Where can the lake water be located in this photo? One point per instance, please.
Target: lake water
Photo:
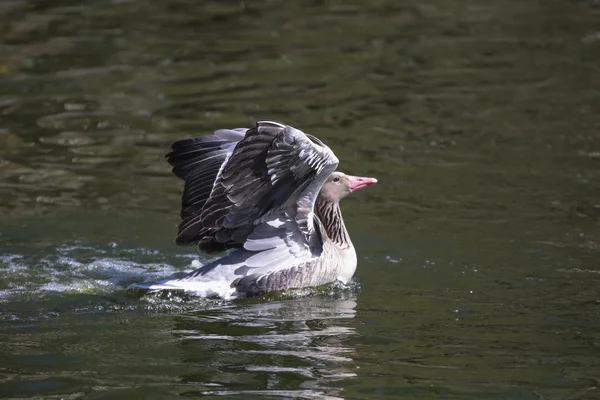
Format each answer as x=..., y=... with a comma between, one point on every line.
x=479, y=248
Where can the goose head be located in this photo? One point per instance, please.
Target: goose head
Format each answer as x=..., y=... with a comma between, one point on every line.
x=339, y=185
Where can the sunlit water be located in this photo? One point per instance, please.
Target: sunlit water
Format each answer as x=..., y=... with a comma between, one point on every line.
x=478, y=249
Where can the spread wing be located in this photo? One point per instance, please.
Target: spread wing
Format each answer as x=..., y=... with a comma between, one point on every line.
x=273, y=173
x=200, y=162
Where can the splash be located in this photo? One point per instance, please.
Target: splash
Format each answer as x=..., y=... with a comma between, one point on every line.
x=90, y=278
x=78, y=269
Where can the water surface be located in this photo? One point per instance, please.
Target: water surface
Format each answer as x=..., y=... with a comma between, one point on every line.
x=478, y=250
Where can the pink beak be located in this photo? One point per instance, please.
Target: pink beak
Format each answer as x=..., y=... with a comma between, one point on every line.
x=359, y=182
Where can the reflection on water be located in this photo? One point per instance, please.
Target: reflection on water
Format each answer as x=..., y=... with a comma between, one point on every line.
x=478, y=250
x=293, y=349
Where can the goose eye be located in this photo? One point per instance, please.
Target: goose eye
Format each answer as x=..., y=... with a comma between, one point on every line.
x=336, y=179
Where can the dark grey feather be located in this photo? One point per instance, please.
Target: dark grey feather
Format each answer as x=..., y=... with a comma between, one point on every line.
x=229, y=189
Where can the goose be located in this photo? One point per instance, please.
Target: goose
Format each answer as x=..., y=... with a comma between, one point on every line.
x=270, y=195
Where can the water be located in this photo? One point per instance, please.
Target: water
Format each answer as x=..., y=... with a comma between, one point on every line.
x=478, y=249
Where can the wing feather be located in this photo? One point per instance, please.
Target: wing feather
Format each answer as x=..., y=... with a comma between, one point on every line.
x=239, y=182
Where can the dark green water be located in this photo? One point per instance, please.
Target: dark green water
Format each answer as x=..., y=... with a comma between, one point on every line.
x=479, y=250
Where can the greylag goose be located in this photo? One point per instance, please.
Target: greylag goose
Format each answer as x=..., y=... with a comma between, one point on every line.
x=272, y=195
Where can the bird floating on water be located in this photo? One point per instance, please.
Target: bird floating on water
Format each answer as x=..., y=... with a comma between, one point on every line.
x=270, y=193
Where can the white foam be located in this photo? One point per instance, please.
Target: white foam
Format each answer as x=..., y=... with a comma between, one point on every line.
x=79, y=269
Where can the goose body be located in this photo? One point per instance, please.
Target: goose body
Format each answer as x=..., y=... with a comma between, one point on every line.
x=270, y=196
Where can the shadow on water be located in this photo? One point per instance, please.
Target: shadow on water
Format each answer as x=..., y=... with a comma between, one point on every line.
x=478, y=249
